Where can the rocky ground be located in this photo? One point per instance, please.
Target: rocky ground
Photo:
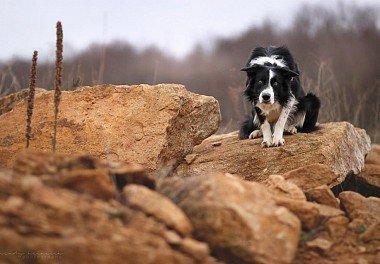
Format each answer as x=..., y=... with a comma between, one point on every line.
x=148, y=190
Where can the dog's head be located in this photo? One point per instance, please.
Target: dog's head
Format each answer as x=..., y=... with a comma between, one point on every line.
x=267, y=84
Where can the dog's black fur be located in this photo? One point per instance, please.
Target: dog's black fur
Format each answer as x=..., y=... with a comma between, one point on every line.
x=274, y=70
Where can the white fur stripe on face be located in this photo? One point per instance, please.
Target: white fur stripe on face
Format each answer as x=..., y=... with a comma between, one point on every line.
x=268, y=90
x=272, y=60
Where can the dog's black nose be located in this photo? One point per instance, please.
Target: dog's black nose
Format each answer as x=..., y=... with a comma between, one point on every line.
x=266, y=97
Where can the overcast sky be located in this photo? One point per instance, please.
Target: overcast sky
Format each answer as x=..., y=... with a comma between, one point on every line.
x=173, y=25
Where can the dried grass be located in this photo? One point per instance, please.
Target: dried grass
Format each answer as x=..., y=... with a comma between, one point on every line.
x=58, y=80
x=30, y=106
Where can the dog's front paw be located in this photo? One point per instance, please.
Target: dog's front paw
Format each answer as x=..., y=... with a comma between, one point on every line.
x=278, y=142
x=255, y=134
x=292, y=130
x=266, y=144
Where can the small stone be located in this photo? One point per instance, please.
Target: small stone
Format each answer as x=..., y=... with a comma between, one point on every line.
x=217, y=143
x=280, y=187
x=194, y=248
x=322, y=195
x=190, y=158
x=320, y=243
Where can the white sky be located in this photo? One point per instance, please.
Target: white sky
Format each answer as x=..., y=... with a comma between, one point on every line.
x=173, y=25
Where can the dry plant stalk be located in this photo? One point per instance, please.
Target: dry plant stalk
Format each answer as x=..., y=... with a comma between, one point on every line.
x=58, y=80
x=32, y=89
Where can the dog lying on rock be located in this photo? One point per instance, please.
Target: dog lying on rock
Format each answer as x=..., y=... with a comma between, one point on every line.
x=279, y=103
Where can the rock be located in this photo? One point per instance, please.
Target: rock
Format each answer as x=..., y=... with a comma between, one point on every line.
x=280, y=187
x=323, y=195
x=311, y=176
x=372, y=233
x=82, y=173
x=339, y=146
x=194, y=248
x=371, y=174
x=148, y=125
x=239, y=220
x=95, y=182
x=374, y=156
x=130, y=174
x=72, y=227
x=337, y=227
x=321, y=244
x=158, y=206
x=335, y=239
x=310, y=214
x=359, y=207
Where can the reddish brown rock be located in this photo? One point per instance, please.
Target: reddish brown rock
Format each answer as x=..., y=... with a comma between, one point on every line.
x=359, y=207
x=374, y=156
x=148, y=125
x=130, y=173
x=323, y=195
x=82, y=173
x=158, y=206
x=280, y=187
x=371, y=174
x=311, y=176
x=339, y=146
x=372, y=233
x=320, y=243
x=239, y=220
x=37, y=216
x=310, y=214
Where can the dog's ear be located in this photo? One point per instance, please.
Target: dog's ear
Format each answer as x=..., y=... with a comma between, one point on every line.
x=288, y=73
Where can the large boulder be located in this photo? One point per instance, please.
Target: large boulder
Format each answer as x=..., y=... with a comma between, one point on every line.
x=148, y=125
x=70, y=226
x=238, y=219
x=338, y=146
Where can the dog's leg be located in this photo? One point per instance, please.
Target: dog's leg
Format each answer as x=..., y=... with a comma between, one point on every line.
x=310, y=104
x=249, y=127
x=291, y=130
x=256, y=134
x=265, y=128
x=267, y=134
x=278, y=133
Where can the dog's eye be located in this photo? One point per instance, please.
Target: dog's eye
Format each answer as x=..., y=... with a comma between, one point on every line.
x=260, y=82
x=275, y=84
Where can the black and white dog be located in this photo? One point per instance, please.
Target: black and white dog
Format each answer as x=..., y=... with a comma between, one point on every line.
x=279, y=103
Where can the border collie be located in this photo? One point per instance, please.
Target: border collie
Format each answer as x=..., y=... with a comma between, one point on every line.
x=279, y=103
